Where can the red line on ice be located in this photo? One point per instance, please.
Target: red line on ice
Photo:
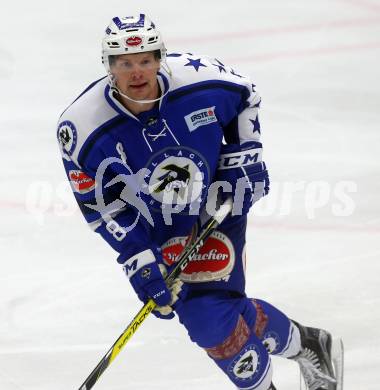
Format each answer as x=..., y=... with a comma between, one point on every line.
x=363, y=4
x=222, y=36
x=255, y=222
x=304, y=52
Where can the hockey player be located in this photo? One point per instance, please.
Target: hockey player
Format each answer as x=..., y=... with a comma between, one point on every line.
x=144, y=149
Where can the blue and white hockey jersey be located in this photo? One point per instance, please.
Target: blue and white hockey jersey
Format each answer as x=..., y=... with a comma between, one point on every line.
x=162, y=161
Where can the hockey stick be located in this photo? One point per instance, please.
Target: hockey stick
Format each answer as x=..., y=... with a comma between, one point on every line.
x=185, y=257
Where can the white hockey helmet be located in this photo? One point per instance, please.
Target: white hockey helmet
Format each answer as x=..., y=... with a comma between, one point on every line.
x=131, y=35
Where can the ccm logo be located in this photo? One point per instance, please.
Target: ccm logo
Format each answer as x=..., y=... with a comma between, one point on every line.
x=131, y=267
x=239, y=159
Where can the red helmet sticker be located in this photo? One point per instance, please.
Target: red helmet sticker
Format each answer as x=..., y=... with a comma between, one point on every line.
x=81, y=182
x=133, y=41
x=214, y=261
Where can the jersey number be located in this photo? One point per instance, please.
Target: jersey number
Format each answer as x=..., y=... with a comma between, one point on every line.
x=116, y=230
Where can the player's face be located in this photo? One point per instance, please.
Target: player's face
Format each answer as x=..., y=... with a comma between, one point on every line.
x=136, y=75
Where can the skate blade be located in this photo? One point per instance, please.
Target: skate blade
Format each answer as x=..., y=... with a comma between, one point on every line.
x=337, y=355
x=302, y=383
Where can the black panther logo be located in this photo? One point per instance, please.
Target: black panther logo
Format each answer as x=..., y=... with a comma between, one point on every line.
x=246, y=365
x=64, y=136
x=177, y=177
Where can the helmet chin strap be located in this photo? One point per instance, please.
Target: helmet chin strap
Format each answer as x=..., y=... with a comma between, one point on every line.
x=147, y=101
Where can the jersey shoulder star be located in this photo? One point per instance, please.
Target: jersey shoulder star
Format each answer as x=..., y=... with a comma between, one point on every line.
x=195, y=63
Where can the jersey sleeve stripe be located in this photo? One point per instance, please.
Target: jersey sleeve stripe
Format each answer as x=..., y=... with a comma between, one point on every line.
x=207, y=85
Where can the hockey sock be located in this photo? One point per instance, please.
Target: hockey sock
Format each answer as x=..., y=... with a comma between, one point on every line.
x=248, y=366
x=281, y=336
x=225, y=327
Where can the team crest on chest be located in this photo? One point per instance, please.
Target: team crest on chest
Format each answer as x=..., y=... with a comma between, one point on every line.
x=178, y=176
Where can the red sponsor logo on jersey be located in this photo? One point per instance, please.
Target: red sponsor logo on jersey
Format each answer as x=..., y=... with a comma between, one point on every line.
x=214, y=261
x=210, y=112
x=81, y=182
x=133, y=41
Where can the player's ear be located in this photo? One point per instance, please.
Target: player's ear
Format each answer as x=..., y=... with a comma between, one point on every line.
x=157, y=58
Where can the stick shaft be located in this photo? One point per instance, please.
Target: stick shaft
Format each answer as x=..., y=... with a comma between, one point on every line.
x=183, y=260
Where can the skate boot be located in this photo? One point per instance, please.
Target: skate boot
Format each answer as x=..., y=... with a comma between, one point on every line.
x=315, y=359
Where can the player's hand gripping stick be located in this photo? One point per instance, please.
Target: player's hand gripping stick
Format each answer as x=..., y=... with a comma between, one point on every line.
x=185, y=257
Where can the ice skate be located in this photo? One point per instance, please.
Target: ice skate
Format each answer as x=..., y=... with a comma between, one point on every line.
x=320, y=362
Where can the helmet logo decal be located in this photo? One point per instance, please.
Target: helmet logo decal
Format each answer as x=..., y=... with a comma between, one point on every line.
x=133, y=41
x=129, y=22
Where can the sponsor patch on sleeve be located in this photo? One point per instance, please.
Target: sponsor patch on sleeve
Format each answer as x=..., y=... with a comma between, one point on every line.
x=81, y=182
x=201, y=117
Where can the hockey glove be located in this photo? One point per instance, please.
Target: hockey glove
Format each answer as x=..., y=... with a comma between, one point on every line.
x=144, y=273
x=146, y=279
x=178, y=292
x=240, y=166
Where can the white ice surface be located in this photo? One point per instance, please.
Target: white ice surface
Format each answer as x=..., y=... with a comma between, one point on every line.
x=64, y=300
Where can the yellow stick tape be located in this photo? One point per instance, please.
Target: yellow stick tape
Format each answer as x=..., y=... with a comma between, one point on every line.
x=132, y=328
